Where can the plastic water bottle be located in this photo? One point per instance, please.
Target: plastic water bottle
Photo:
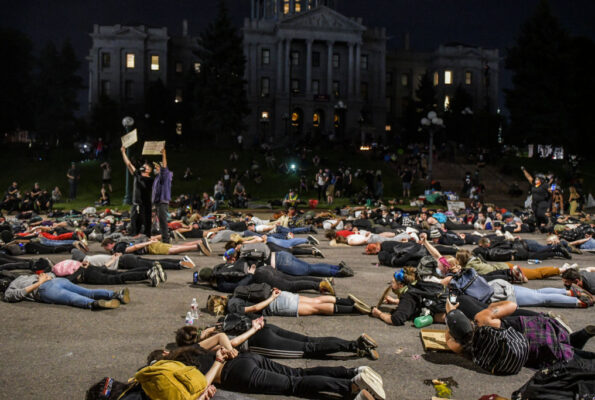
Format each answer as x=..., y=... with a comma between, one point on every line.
x=534, y=261
x=424, y=319
x=189, y=319
x=194, y=309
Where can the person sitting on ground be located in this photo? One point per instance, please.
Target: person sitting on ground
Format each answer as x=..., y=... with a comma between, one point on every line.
x=104, y=199
x=46, y=288
x=502, y=344
x=239, y=195
x=291, y=199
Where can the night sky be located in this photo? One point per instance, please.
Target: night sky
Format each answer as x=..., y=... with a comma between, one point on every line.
x=485, y=23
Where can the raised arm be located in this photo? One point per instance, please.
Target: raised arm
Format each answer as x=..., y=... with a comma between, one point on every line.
x=127, y=162
x=163, y=158
x=527, y=175
x=431, y=249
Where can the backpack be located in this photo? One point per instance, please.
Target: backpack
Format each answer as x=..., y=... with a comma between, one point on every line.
x=470, y=283
x=431, y=295
x=235, y=324
x=572, y=380
x=171, y=380
x=252, y=255
x=254, y=292
x=500, y=351
x=426, y=267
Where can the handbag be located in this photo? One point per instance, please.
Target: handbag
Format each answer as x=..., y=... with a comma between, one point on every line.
x=470, y=283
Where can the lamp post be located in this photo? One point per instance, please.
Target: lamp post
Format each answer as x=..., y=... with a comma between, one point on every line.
x=127, y=123
x=432, y=123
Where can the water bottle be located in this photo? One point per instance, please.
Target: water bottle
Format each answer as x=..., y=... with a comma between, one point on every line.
x=189, y=319
x=195, y=278
x=194, y=309
x=424, y=319
x=534, y=261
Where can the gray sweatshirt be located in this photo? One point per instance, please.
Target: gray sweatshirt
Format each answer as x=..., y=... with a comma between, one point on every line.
x=16, y=289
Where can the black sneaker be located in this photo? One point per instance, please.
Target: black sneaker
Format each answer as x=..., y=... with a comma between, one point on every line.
x=369, y=352
x=365, y=340
x=561, y=251
x=317, y=253
x=123, y=296
x=344, y=272
x=313, y=240
x=105, y=304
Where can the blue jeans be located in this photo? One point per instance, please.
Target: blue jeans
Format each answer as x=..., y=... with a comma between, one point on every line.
x=588, y=245
x=552, y=297
x=287, y=243
x=283, y=230
x=62, y=291
x=535, y=246
x=286, y=262
x=55, y=243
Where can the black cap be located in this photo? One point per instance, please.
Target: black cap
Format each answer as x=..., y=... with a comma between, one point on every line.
x=459, y=326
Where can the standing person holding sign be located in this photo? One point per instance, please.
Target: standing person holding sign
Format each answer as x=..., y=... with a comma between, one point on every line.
x=140, y=212
x=162, y=194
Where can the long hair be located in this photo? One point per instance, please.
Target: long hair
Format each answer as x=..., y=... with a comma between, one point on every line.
x=410, y=275
x=188, y=335
x=217, y=304
x=463, y=257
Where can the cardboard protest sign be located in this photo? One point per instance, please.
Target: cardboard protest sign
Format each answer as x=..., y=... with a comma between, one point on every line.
x=129, y=139
x=153, y=148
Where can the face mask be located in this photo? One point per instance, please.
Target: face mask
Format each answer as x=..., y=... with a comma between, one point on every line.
x=438, y=272
x=401, y=291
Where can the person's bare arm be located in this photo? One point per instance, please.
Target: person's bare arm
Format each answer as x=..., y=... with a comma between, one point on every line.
x=127, y=162
x=133, y=248
x=580, y=241
x=431, y=249
x=163, y=158
x=528, y=175
x=492, y=315
x=263, y=304
x=386, y=317
x=257, y=324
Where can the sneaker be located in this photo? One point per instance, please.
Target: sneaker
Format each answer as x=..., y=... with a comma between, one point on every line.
x=187, y=262
x=518, y=275
x=81, y=246
x=373, y=374
x=366, y=341
x=210, y=235
x=369, y=352
x=582, y=295
x=508, y=236
x=161, y=273
x=344, y=272
x=201, y=247
x=364, y=381
x=363, y=395
x=360, y=305
x=326, y=287
x=590, y=329
x=313, y=240
x=317, y=253
x=207, y=245
x=153, y=275
x=560, y=251
x=105, y=304
x=123, y=296
x=575, y=250
x=560, y=320
x=313, y=230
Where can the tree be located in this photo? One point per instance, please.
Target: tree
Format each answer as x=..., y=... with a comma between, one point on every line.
x=15, y=80
x=538, y=101
x=221, y=97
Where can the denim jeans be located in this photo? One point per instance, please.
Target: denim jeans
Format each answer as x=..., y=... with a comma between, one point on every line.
x=62, y=291
x=535, y=246
x=588, y=245
x=287, y=243
x=286, y=262
x=56, y=243
x=285, y=231
x=552, y=297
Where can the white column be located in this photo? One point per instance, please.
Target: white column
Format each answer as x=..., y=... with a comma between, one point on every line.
x=329, y=67
x=287, y=77
x=279, y=80
x=350, y=68
x=308, y=66
x=358, y=60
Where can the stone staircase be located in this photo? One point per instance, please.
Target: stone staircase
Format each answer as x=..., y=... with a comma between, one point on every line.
x=451, y=177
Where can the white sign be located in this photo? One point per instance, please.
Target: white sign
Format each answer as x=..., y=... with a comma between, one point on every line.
x=455, y=206
x=129, y=139
x=153, y=148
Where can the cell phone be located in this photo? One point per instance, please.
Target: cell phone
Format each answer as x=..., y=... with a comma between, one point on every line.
x=452, y=296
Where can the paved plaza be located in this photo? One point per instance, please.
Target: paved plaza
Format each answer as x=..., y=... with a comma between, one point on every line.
x=57, y=352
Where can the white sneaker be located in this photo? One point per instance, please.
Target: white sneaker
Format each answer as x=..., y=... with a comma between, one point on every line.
x=499, y=233
x=364, y=380
x=370, y=371
x=508, y=235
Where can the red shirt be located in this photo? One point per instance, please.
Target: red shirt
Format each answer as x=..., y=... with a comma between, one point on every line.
x=344, y=233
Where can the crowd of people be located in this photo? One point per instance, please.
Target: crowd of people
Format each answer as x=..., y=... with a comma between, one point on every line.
x=478, y=292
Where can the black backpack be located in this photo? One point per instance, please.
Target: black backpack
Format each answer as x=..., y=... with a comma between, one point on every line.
x=254, y=292
x=565, y=380
x=235, y=324
x=252, y=255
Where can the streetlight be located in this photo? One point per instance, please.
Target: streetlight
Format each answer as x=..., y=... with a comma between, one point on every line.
x=127, y=123
x=432, y=123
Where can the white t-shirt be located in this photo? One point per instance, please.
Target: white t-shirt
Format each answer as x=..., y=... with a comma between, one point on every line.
x=328, y=224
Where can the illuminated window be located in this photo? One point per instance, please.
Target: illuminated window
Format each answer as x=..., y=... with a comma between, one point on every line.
x=130, y=60
x=295, y=85
x=364, y=61
x=298, y=6
x=295, y=117
x=285, y=6
x=265, y=56
x=316, y=119
x=128, y=90
x=264, y=87
x=436, y=79
x=179, y=128
x=388, y=128
x=264, y=116
x=154, y=63
x=446, y=103
x=179, y=68
x=447, y=77
x=468, y=77
x=337, y=120
x=336, y=88
x=316, y=59
x=316, y=87
x=295, y=58
x=197, y=67
x=105, y=60
x=178, y=98
x=336, y=60
x=404, y=80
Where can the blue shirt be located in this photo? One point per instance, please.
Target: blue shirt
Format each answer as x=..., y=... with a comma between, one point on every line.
x=162, y=186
